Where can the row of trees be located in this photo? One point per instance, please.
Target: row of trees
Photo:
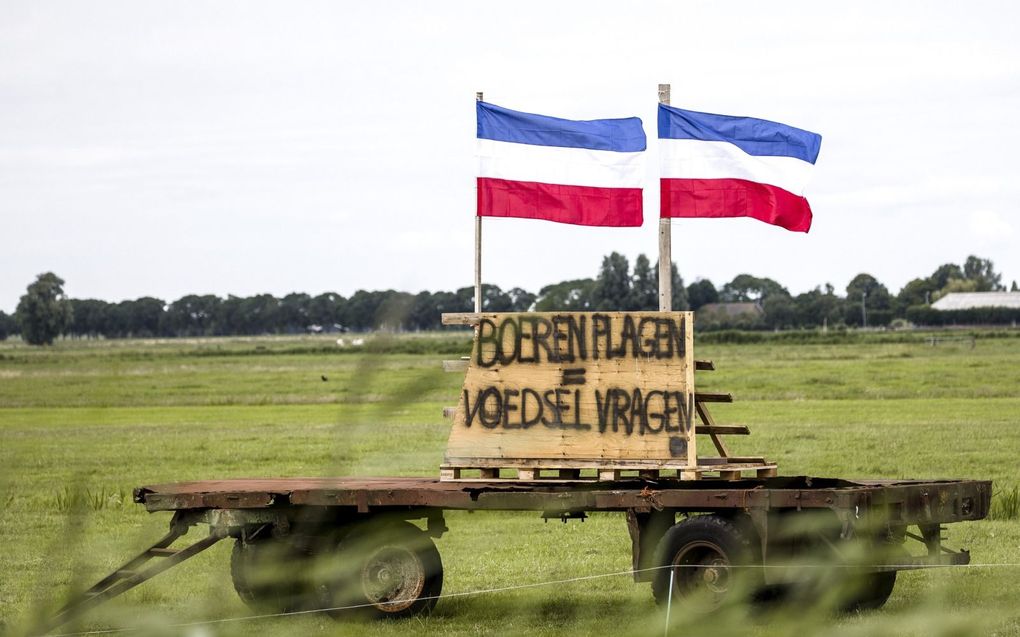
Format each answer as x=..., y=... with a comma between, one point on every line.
x=45, y=313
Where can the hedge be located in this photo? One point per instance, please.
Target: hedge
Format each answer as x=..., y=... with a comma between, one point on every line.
x=924, y=315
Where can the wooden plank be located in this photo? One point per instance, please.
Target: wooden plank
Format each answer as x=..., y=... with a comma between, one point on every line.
x=735, y=430
x=713, y=397
x=707, y=419
x=704, y=366
x=703, y=462
x=665, y=242
x=567, y=385
x=665, y=266
x=461, y=318
x=567, y=463
x=726, y=471
x=455, y=366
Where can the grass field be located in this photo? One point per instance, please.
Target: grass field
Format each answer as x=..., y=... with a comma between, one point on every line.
x=81, y=424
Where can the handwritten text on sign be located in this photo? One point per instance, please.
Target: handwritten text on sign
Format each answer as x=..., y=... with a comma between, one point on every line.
x=584, y=385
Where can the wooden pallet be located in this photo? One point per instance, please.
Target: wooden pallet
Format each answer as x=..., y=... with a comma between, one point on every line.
x=574, y=470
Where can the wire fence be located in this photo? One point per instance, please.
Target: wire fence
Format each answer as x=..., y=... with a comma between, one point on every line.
x=516, y=587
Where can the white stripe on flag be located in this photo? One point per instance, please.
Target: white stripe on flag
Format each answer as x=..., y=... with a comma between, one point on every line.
x=558, y=165
x=697, y=159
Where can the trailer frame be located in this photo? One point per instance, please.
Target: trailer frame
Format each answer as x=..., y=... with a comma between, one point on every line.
x=295, y=507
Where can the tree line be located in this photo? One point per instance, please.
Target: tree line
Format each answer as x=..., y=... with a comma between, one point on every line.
x=45, y=313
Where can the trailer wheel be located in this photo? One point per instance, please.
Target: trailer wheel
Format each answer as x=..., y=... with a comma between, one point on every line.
x=394, y=570
x=269, y=574
x=871, y=590
x=700, y=554
x=874, y=591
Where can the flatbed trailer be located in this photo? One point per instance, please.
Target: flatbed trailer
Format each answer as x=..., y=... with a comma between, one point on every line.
x=378, y=533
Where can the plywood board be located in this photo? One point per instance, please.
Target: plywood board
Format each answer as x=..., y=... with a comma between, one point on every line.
x=593, y=386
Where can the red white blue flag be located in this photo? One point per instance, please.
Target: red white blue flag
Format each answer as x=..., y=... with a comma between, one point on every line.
x=588, y=173
x=724, y=166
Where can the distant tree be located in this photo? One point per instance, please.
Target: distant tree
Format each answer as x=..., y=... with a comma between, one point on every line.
x=521, y=299
x=194, y=315
x=362, y=309
x=982, y=273
x=566, y=296
x=612, y=286
x=494, y=299
x=260, y=314
x=145, y=316
x=746, y=288
x=644, y=288
x=866, y=296
x=452, y=302
x=327, y=309
x=959, y=285
x=89, y=317
x=878, y=296
x=294, y=315
x=44, y=312
x=394, y=312
x=942, y=274
x=423, y=315
x=1014, y=288
x=915, y=292
x=8, y=325
x=780, y=312
x=819, y=307
x=678, y=290
x=230, y=318
x=701, y=292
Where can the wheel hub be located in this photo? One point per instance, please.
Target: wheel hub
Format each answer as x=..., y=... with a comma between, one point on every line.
x=393, y=577
x=702, y=565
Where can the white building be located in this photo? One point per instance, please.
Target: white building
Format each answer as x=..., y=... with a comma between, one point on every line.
x=968, y=300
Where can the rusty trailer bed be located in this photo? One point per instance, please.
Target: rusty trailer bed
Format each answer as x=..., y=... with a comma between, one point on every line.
x=906, y=501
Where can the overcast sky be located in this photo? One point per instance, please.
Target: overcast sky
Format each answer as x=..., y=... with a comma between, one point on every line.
x=213, y=147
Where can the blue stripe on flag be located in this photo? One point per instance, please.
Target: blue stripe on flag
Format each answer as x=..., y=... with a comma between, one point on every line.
x=504, y=125
x=753, y=136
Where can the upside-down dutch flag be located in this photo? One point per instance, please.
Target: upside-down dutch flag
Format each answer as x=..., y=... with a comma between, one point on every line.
x=588, y=173
x=724, y=166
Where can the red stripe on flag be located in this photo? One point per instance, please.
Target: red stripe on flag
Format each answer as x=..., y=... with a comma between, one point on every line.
x=734, y=198
x=579, y=205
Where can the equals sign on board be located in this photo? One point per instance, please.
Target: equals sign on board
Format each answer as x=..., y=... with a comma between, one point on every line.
x=573, y=376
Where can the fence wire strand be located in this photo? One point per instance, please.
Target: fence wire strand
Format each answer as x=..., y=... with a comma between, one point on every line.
x=515, y=587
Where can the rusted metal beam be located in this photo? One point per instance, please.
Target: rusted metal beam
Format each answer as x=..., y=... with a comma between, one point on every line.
x=130, y=575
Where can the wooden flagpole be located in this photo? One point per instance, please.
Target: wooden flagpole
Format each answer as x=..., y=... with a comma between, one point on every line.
x=665, y=241
x=478, y=248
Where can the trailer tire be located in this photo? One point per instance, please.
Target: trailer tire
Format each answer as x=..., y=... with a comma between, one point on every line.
x=394, y=571
x=268, y=575
x=702, y=550
x=875, y=590
x=871, y=590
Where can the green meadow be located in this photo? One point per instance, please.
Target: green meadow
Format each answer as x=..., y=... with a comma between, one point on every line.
x=82, y=423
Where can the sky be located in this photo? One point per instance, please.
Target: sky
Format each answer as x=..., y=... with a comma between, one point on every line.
x=163, y=149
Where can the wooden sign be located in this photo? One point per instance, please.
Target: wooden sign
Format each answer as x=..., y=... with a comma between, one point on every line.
x=578, y=390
